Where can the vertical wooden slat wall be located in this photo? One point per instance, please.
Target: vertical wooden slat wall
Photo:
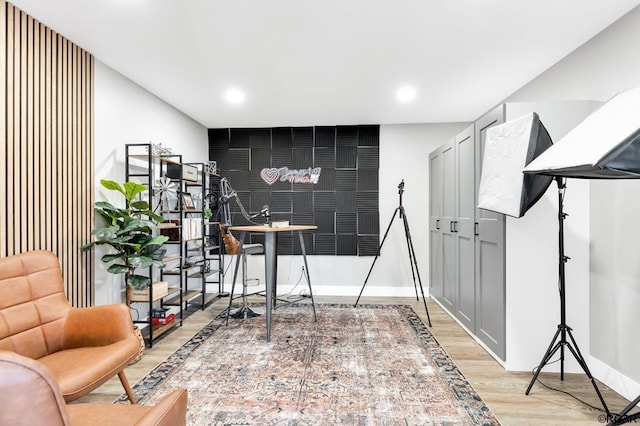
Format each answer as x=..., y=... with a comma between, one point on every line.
x=46, y=148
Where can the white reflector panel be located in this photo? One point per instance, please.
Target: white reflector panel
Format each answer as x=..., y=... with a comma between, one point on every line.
x=509, y=147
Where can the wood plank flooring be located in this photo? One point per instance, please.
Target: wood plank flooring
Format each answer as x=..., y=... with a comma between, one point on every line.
x=503, y=391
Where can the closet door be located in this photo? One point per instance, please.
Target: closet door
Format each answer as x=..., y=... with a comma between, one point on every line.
x=435, y=224
x=449, y=246
x=490, y=255
x=465, y=227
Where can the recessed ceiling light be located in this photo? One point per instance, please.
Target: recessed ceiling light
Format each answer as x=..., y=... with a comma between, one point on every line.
x=234, y=96
x=406, y=94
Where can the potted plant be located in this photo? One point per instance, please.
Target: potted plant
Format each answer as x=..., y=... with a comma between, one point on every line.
x=129, y=232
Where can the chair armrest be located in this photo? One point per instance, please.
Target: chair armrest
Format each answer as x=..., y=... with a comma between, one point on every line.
x=97, y=326
x=169, y=411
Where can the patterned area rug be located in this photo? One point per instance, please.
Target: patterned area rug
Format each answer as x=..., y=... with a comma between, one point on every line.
x=369, y=365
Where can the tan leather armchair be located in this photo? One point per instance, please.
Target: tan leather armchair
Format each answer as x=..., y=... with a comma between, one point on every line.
x=31, y=396
x=83, y=347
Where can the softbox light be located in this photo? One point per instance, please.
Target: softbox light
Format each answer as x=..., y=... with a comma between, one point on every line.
x=509, y=147
x=606, y=145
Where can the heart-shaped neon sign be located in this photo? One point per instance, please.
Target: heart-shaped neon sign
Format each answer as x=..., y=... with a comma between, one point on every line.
x=270, y=176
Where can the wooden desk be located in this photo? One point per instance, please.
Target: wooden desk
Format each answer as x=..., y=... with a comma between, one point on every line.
x=271, y=262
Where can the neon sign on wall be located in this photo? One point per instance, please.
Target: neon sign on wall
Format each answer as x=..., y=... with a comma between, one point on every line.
x=285, y=174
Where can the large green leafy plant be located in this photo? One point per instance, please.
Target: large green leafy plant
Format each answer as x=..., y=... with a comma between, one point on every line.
x=129, y=231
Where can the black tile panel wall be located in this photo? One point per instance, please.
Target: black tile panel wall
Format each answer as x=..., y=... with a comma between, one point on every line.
x=325, y=136
x=324, y=157
x=327, y=180
x=260, y=158
x=347, y=136
x=282, y=138
x=346, y=180
x=347, y=223
x=285, y=243
x=344, y=201
x=302, y=158
x=368, y=158
x=367, y=180
x=221, y=157
x=369, y=135
x=240, y=138
x=239, y=159
x=298, y=218
x=368, y=223
x=324, y=201
x=238, y=179
x=346, y=157
x=219, y=138
x=260, y=138
x=303, y=202
x=367, y=201
x=326, y=222
x=256, y=183
x=302, y=137
x=368, y=245
x=308, y=243
x=281, y=157
x=324, y=244
x=346, y=245
x=281, y=202
x=258, y=200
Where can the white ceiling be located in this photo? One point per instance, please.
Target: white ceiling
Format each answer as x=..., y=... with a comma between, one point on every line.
x=332, y=61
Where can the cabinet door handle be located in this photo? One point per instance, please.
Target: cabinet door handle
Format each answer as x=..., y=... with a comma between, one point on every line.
x=455, y=226
x=476, y=229
x=451, y=226
x=437, y=224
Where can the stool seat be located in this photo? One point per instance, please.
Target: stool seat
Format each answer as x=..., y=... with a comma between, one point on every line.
x=253, y=248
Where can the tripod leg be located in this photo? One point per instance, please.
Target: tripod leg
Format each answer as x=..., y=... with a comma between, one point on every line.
x=377, y=255
x=547, y=356
x=407, y=235
x=412, y=260
x=578, y=356
x=622, y=416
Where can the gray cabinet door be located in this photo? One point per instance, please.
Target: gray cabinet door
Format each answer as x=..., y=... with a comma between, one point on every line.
x=465, y=227
x=449, y=246
x=490, y=257
x=435, y=224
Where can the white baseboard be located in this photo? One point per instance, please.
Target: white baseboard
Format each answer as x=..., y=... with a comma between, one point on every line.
x=625, y=386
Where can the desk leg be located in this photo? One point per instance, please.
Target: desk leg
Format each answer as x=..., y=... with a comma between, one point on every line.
x=306, y=270
x=270, y=258
x=235, y=272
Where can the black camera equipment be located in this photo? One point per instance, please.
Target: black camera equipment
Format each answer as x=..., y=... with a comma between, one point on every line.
x=412, y=255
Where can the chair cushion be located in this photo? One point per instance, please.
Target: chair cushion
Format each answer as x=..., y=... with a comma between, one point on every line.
x=78, y=372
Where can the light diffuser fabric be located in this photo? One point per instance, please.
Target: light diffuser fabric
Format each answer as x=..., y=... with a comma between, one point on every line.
x=606, y=145
x=509, y=147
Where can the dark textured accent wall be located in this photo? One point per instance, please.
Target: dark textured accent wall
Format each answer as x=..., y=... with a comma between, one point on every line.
x=344, y=202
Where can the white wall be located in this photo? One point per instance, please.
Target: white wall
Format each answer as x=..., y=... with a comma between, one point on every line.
x=606, y=65
x=126, y=113
x=404, y=154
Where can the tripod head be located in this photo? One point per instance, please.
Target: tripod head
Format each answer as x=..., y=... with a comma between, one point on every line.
x=400, y=192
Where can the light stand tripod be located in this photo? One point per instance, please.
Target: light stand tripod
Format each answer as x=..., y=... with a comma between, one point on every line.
x=563, y=329
x=412, y=254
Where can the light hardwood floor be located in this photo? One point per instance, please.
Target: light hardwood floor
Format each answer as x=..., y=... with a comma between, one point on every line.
x=503, y=391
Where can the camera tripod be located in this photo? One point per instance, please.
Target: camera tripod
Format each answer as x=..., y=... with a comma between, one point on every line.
x=412, y=255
